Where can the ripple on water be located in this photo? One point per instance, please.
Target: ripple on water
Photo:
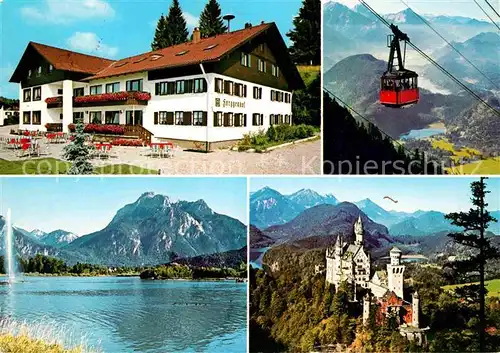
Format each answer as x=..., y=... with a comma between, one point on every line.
x=130, y=315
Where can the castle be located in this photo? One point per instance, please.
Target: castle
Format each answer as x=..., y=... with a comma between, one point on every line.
x=352, y=263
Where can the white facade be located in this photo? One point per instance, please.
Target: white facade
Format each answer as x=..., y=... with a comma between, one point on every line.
x=189, y=102
x=349, y=262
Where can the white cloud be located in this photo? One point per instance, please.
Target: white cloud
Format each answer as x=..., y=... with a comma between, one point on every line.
x=90, y=43
x=191, y=20
x=68, y=11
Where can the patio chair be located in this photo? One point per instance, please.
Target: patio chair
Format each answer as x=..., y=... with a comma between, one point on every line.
x=155, y=151
x=169, y=151
x=24, y=151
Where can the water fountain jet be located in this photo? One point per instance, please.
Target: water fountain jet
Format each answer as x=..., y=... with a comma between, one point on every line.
x=8, y=249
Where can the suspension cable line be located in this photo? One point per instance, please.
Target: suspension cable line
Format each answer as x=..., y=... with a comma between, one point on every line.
x=475, y=95
x=451, y=45
x=487, y=14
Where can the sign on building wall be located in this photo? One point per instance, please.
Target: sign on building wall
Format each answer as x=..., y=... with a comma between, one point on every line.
x=224, y=103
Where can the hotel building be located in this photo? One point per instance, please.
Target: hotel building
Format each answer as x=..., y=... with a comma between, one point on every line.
x=208, y=91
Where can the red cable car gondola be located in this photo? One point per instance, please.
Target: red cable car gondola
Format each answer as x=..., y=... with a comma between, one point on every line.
x=398, y=87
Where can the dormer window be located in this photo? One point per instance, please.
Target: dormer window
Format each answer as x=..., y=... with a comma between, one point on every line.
x=155, y=57
x=211, y=47
x=29, y=73
x=39, y=71
x=275, y=71
x=184, y=52
x=51, y=68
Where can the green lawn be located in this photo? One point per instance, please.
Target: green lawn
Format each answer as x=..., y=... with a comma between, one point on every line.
x=309, y=73
x=52, y=166
x=486, y=166
x=493, y=287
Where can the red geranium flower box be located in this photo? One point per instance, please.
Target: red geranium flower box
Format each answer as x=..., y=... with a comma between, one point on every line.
x=113, y=97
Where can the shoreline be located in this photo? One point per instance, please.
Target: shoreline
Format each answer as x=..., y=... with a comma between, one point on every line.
x=230, y=279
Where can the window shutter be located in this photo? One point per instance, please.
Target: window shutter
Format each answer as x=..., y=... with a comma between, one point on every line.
x=254, y=119
x=260, y=93
x=226, y=119
x=271, y=119
x=187, y=118
x=205, y=85
x=170, y=118
x=244, y=120
x=157, y=88
x=156, y=118
x=216, y=123
x=261, y=119
x=204, y=119
x=245, y=91
x=237, y=119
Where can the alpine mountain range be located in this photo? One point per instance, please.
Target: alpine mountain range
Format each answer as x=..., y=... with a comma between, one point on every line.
x=355, y=55
x=152, y=230
x=309, y=219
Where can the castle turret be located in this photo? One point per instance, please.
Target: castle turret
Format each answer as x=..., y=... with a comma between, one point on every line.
x=366, y=309
x=415, y=310
x=395, y=272
x=338, y=246
x=359, y=231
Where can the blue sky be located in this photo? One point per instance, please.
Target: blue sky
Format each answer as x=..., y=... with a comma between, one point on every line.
x=110, y=28
x=85, y=205
x=465, y=8
x=445, y=194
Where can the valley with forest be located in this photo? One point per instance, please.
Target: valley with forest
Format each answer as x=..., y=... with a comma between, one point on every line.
x=448, y=124
x=293, y=308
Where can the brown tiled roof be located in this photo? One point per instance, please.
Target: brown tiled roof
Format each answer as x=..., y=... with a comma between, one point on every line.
x=207, y=49
x=70, y=61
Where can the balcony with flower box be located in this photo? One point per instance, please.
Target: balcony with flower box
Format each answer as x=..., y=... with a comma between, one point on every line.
x=104, y=99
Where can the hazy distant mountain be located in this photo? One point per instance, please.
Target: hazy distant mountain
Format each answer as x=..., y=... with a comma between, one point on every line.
x=353, y=31
x=38, y=233
x=27, y=245
x=258, y=239
x=308, y=198
x=58, y=238
x=427, y=223
x=152, y=229
x=482, y=50
x=329, y=221
x=377, y=213
x=269, y=207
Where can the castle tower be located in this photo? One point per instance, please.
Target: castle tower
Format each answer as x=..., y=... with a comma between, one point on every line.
x=359, y=231
x=333, y=262
x=415, y=310
x=395, y=272
x=366, y=309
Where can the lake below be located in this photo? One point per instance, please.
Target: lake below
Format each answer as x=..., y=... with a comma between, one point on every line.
x=121, y=315
x=422, y=133
x=256, y=257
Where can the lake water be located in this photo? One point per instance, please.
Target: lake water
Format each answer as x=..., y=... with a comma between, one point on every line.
x=258, y=255
x=422, y=133
x=121, y=315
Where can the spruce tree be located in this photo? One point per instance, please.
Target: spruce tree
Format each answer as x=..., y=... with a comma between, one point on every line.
x=79, y=153
x=176, y=27
x=160, y=41
x=211, y=22
x=475, y=223
x=306, y=35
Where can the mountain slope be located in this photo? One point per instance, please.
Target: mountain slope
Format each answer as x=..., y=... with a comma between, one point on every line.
x=308, y=198
x=58, y=238
x=269, y=207
x=153, y=229
x=427, y=223
x=232, y=259
x=329, y=221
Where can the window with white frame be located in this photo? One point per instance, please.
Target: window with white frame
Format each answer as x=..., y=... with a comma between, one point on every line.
x=179, y=118
x=257, y=92
x=218, y=119
x=95, y=117
x=262, y=65
x=246, y=59
x=198, y=118
x=275, y=70
x=96, y=89
x=113, y=87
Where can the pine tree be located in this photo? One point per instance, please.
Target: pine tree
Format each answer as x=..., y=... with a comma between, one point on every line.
x=475, y=223
x=176, y=27
x=306, y=35
x=79, y=153
x=211, y=22
x=159, y=41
